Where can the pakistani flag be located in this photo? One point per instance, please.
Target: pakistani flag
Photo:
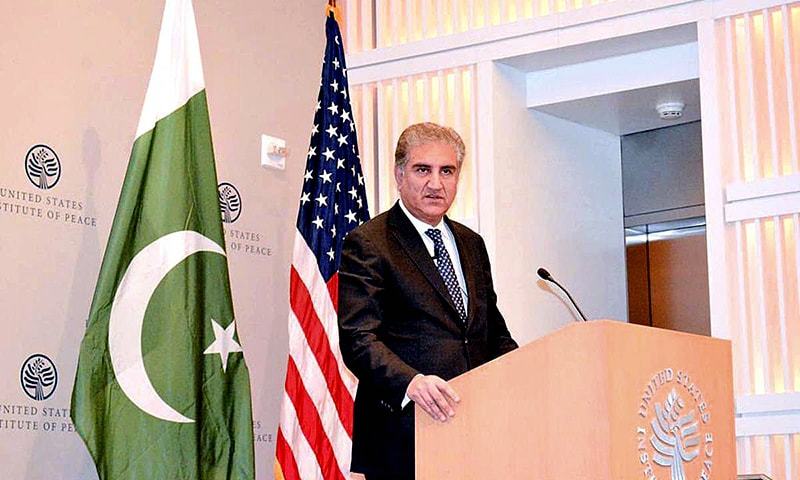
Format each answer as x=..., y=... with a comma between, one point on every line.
x=162, y=389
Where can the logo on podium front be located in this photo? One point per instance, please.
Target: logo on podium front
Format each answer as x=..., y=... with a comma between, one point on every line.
x=674, y=438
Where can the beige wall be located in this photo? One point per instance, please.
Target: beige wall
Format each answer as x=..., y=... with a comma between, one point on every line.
x=73, y=76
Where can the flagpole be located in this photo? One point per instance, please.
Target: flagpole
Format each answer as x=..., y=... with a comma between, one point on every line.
x=314, y=438
x=332, y=10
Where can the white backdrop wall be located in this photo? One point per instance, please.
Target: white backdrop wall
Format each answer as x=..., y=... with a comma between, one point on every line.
x=73, y=77
x=558, y=205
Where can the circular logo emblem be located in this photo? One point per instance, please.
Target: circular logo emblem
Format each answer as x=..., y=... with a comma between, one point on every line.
x=42, y=167
x=38, y=377
x=230, y=202
x=674, y=438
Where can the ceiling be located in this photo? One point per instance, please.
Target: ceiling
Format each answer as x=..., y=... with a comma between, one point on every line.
x=630, y=111
x=610, y=47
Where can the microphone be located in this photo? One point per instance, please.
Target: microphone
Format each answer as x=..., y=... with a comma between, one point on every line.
x=545, y=275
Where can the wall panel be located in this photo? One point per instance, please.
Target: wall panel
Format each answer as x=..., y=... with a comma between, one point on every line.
x=446, y=97
x=755, y=79
x=777, y=454
x=78, y=85
x=397, y=22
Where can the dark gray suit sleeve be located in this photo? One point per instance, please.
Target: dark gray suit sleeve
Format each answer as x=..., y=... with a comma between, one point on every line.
x=361, y=296
x=500, y=340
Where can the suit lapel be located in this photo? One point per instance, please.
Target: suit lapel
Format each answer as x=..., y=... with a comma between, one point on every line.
x=409, y=239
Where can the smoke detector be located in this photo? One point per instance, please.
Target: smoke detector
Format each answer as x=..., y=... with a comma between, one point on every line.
x=670, y=110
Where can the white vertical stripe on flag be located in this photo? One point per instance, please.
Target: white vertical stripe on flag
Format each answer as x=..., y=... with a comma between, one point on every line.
x=177, y=70
x=304, y=455
x=314, y=382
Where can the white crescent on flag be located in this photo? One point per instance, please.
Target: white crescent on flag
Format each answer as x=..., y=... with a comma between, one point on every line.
x=140, y=281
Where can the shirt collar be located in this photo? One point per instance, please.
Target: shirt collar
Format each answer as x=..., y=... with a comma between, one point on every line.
x=419, y=225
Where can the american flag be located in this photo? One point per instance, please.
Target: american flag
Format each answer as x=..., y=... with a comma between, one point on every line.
x=316, y=422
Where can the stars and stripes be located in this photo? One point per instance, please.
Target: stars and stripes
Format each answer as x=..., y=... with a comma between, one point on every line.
x=316, y=422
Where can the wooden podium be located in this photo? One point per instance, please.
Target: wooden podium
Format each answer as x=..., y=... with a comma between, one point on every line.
x=583, y=403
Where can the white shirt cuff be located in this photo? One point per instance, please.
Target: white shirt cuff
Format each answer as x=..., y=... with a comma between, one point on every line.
x=407, y=400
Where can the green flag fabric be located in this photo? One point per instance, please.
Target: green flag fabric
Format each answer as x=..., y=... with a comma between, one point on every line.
x=162, y=390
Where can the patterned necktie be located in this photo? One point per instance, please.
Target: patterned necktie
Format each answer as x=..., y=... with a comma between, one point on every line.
x=446, y=270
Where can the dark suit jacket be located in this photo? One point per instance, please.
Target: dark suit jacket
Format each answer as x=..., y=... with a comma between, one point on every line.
x=396, y=319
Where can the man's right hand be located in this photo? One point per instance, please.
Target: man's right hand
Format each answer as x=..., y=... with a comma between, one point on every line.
x=434, y=395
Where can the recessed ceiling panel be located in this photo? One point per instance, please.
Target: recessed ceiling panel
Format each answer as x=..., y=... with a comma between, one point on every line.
x=630, y=111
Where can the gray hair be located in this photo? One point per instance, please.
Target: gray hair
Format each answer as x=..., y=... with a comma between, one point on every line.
x=425, y=133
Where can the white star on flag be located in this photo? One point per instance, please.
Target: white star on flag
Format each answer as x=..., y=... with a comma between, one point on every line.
x=307, y=176
x=342, y=140
x=334, y=109
x=331, y=131
x=223, y=344
x=306, y=197
x=312, y=151
x=335, y=86
x=321, y=200
x=351, y=216
x=317, y=221
x=325, y=176
x=328, y=154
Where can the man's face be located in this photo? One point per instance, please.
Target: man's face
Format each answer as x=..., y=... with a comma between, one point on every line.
x=428, y=181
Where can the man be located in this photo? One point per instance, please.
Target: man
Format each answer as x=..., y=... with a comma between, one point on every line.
x=416, y=305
